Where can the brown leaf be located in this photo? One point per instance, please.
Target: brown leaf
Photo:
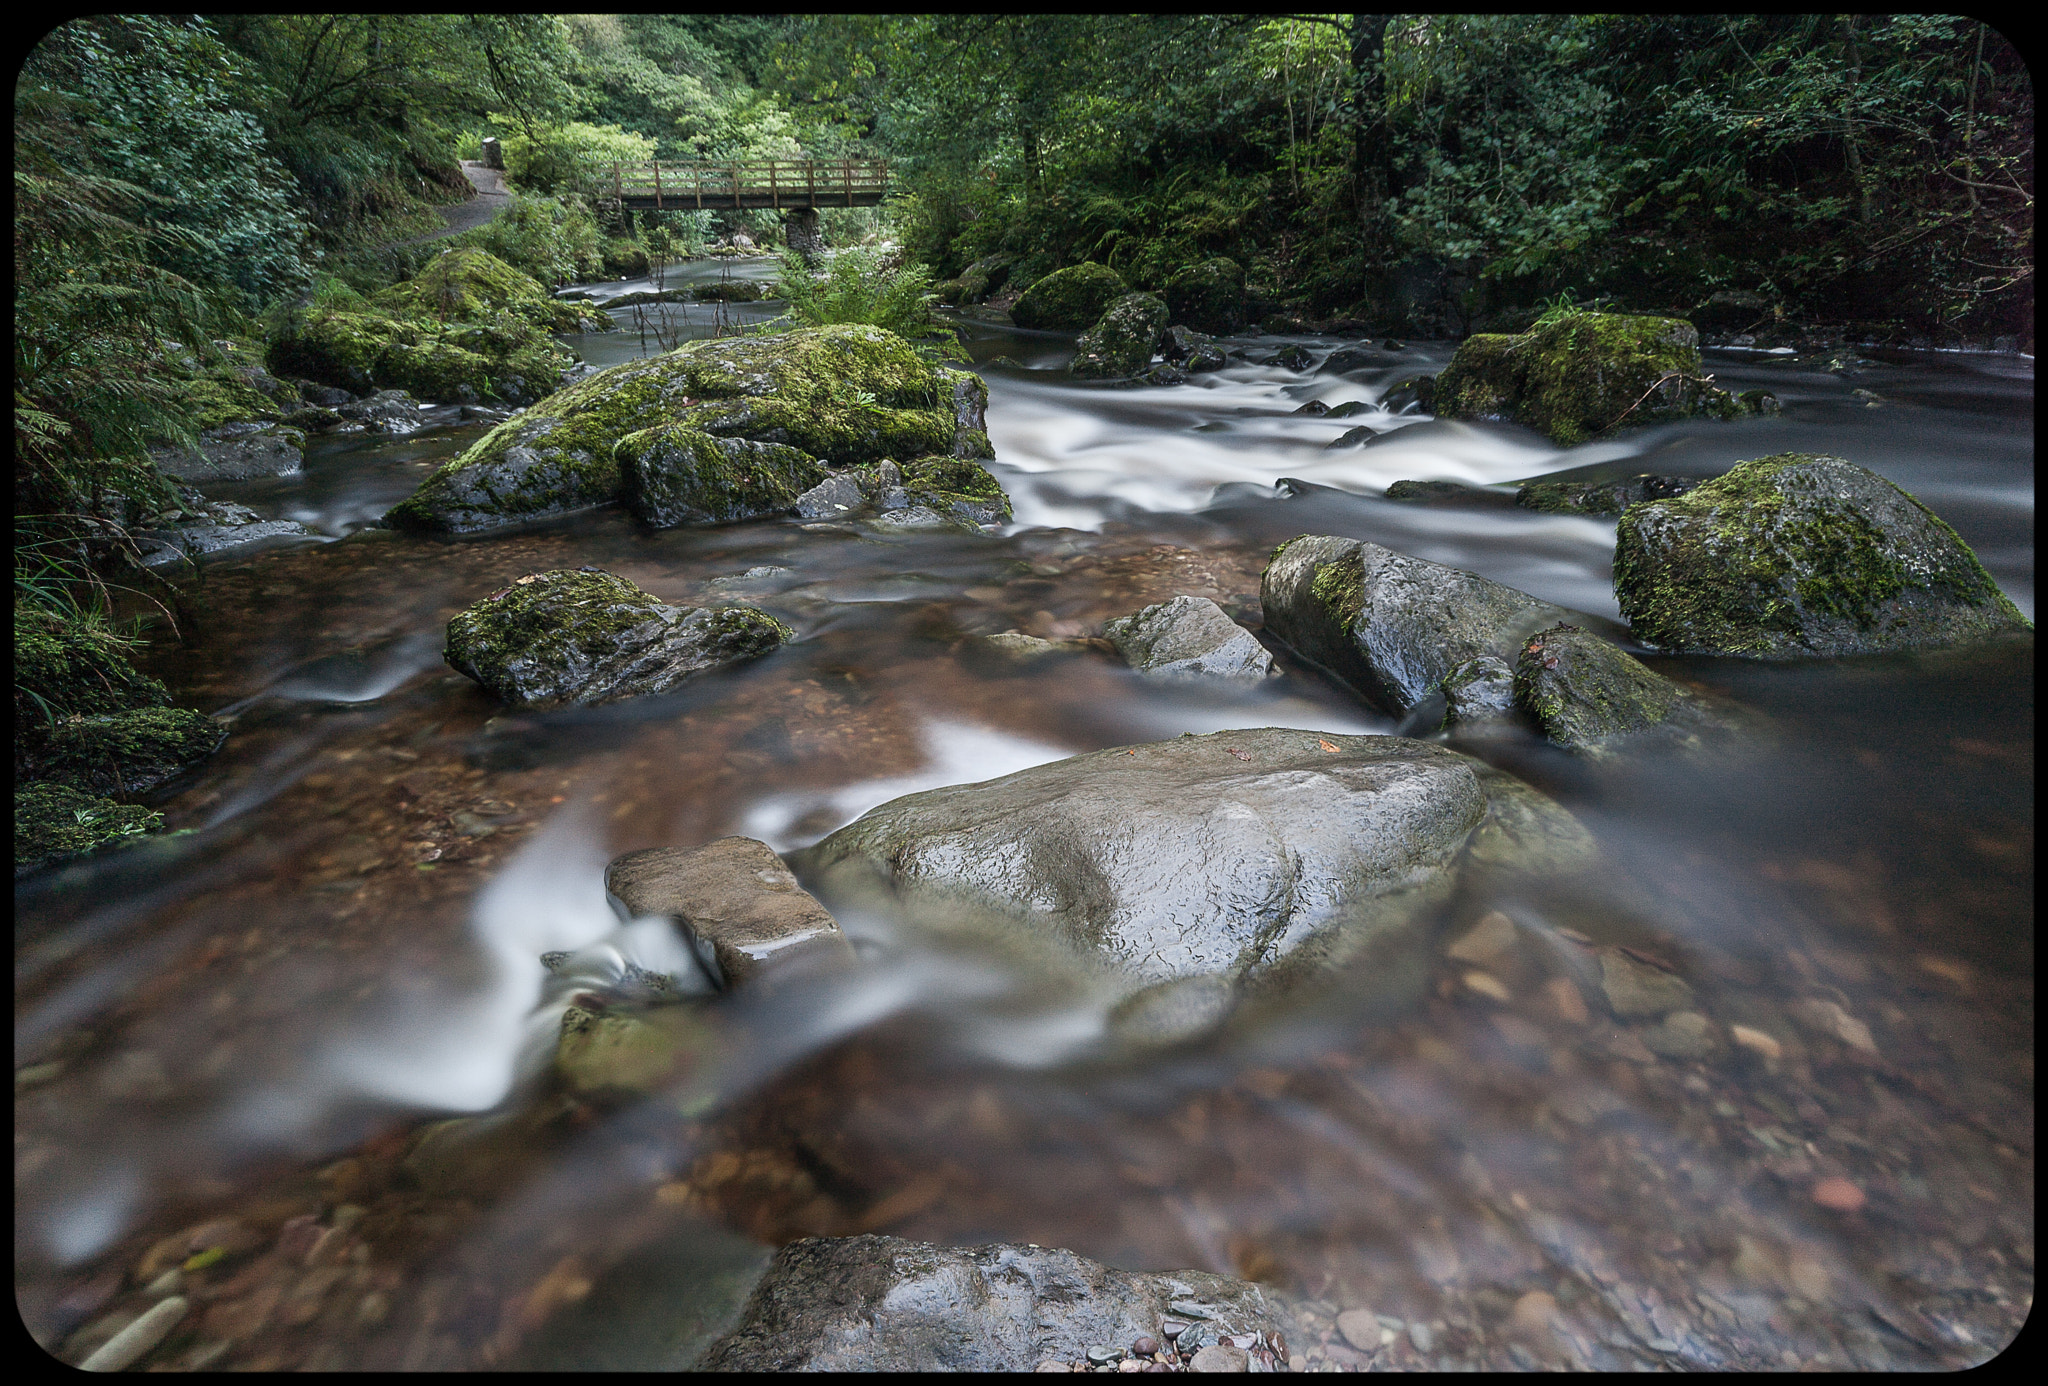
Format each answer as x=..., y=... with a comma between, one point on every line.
x=1324, y=744
x=1241, y=755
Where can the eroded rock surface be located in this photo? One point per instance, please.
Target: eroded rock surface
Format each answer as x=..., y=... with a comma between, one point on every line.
x=568, y=638
x=873, y=1303
x=1389, y=625
x=1189, y=640
x=739, y=906
x=1798, y=555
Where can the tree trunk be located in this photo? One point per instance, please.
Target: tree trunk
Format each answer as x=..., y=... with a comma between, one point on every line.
x=1370, y=155
x=1032, y=190
x=1849, y=136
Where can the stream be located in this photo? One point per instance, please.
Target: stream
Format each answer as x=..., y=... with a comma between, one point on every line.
x=250, y=1022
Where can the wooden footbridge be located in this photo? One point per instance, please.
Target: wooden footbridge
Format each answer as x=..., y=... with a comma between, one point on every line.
x=789, y=184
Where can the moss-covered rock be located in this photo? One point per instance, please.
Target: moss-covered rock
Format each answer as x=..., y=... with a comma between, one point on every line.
x=955, y=490
x=1190, y=350
x=53, y=822
x=1208, y=297
x=1590, y=697
x=123, y=752
x=626, y=258
x=68, y=668
x=1121, y=341
x=475, y=286
x=1069, y=299
x=1797, y=555
x=730, y=291
x=1600, y=497
x=1582, y=375
x=842, y=395
x=569, y=638
x=679, y=475
x=455, y=363
x=984, y=277
x=958, y=486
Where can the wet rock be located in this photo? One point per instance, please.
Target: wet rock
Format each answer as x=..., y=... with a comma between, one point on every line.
x=1756, y=1041
x=1487, y=940
x=1220, y=855
x=1635, y=990
x=1838, y=1194
x=1361, y=1329
x=1162, y=375
x=1291, y=358
x=928, y=493
x=1208, y=296
x=1316, y=407
x=1416, y=390
x=577, y=638
x=1682, y=1035
x=1600, y=497
x=1194, y=352
x=1358, y=358
x=1218, y=1357
x=1016, y=645
x=842, y=396
x=1448, y=493
x=628, y=1051
x=1823, y=1017
x=1389, y=625
x=139, y=1338
x=54, y=822
x=874, y=1303
x=395, y=412
x=1525, y=829
x=1478, y=692
x=234, y=452
x=831, y=498
x=123, y=752
x=1356, y=437
x=1069, y=299
x=1189, y=639
x=1800, y=555
x=686, y=477
x=1583, y=375
x=735, y=901
x=1120, y=342
x=1591, y=697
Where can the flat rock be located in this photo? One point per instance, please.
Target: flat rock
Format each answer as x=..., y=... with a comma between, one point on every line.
x=1799, y=555
x=1189, y=639
x=235, y=452
x=741, y=909
x=1448, y=493
x=1636, y=990
x=873, y=1303
x=568, y=638
x=1389, y=625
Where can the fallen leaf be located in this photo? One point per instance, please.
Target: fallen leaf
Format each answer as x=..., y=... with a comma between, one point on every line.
x=1241, y=755
x=1839, y=1194
x=1324, y=744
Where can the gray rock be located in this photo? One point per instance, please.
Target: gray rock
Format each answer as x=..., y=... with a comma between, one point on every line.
x=970, y=412
x=235, y=452
x=1636, y=990
x=566, y=638
x=387, y=411
x=1525, y=829
x=1448, y=493
x=1684, y=1035
x=1204, y=855
x=1120, y=343
x=873, y=1303
x=1591, y=697
x=1479, y=691
x=690, y=478
x=1600, y=497
x=1016, y=645
x=1192, y=351
x=1189, y=639
x=1799, y=555
x=1389, y=625
x=738, y=905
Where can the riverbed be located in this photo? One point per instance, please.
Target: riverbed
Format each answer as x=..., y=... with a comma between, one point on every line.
x=249, y=1022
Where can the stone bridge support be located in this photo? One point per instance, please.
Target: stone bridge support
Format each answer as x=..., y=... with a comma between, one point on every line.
x=800, y=226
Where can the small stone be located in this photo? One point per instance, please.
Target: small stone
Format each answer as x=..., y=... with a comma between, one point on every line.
x=299, y=1236
x=1487, y=985
x=1565, y=1002
x=138, y=1339
x=1360, y=1329
x=1756, y=1041
x=1145, y=1346
x=1487, y=940
x=1533, y=1313
x=169, y=1283
x=1683, y=1035
x=1130, y=1364
x=1218, y=1358
x=1419, y=1334
x=1636, y=989
x=1101, y=1356
x=1171, y=1328
x=1052, y=1367
x=1827, y=1018
x=1838, y=1194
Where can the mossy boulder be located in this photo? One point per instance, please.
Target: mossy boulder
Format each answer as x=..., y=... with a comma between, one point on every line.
x=840, y=395
x=574, y=638
x=68, y=668
x=53, y=822
x=1389, y=625
x=627, y=259
x=984, y=277
x=679, y=475
x=731, y=291
x=1209, y=296
x=1582, y=375
x=1120, y=343
x=1070, y=299
x=953, y=489
x=475, y=286
x=1190, y=350
x=453, y=363
x=122, y=752
x=1591, y=697
x=1798, y=555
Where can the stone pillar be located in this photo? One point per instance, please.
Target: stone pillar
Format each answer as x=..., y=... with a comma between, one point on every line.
x=493, y=153
x=800, y=225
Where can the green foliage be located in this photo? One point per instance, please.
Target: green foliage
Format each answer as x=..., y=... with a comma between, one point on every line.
x=554, y=239
x=572, y=156
x=860, y=286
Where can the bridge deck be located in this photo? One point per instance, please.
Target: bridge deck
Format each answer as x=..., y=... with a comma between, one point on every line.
x=777, y=183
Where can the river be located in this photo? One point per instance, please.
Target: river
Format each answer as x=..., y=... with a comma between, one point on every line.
x=251, y=1021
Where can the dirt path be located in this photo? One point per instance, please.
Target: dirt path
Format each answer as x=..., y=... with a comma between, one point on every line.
x=491, y=198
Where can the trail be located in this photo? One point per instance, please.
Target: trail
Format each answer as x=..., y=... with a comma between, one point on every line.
x=491, y=198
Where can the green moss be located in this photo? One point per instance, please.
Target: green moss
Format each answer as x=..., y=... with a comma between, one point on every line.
x=53, y=822
x=120, y=752
x=679, y=474
x=626, y=258
x=1340, y=587
x=476, y=286
x=555, y=619
x=958, y=485
x=66, y=668
x=1069, y=299
x=217, y=399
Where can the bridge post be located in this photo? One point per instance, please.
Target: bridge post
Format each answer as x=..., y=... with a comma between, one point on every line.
x=800, y=227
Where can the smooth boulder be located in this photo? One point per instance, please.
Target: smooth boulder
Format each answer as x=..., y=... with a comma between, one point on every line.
x=1580, y=375
x=1592, y=697
x=1189, y=640
x=1801, y=555
x=841, y=396
x=1389, y=625
x=738, y=906
x=1215, y=855
x=874, y=1303
x=1120, y=343
x=574, y=638
x=1069, y=299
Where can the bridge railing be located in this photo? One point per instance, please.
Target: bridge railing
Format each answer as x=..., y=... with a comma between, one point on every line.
x=753, y=183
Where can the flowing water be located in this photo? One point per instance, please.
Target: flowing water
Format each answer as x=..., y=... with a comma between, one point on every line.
x=234, y=1037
